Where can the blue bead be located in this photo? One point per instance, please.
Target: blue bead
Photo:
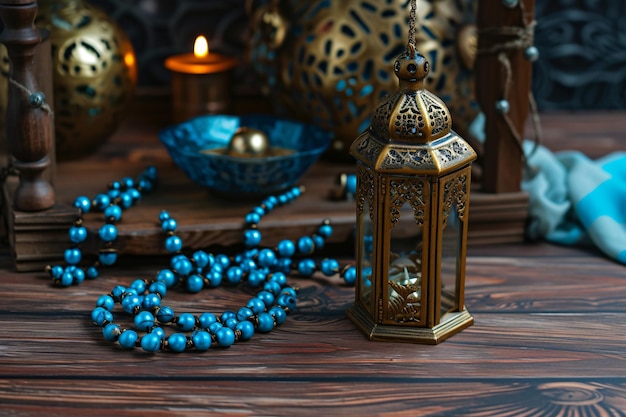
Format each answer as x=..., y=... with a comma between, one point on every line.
x=66, y=279
x=295, y=192
x=150, y=172
x=289, y=291
x=167, y=277
x=113, y=213
x=169, y=225
x=194, y=283
x=115, y=185
x=279, y=278
x=182, y=265
x=113, y=194
x=287, y=301
x=151, y=342
x=134, y=194
x=77, y=234
x=201, y=340
x=186, y=322
x=203, y=259
x=78, y=275
x=222, y=260
x=151, y=301
x=286, y=248
x=138, y=285
x=164, y=215
x=266, y=322
x=271, y=200
x=56, y=271
x=306, y=267
x=145, y=185
x=283, y=265
x=273, y=287
x=117, y=292
x=252, y=218
x=256, y=305
x=101, y=201
x=177, y=342
x=227, y=315
x=214, y=327
x=159, y=332
x=83, y=203
x=244, y=313
x=306, y=246
x=101, y=316
x=231, y=323
x=351, y=183
x=248, y=265
x=267, y=298
x=256, y=277
x=126, y=200
x=267, y=258
x=234, y=274
x=349, y=275
x=106, y=301
x=251, y=237
x=127, y=182
x=329, y=266
x=283, y=199
x=531, y=53
x=72, y=256
x=225, y=337
x=173, y=244
x=144, y=321
x=258, y=210
x=107, y=257
x=215, y=278
x=245, y=329
x=318, y=241
x=111, y=332
x=279, y=315
x=92, y=272
x=503, y=106
x=159, y=288
x=165, y=314
x=128, y=338
x=130, y=303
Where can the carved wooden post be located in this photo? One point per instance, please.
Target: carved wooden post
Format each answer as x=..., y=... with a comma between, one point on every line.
x=503, y=82
x=29, y=118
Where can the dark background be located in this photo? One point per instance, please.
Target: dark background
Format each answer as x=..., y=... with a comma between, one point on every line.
x=582, y=44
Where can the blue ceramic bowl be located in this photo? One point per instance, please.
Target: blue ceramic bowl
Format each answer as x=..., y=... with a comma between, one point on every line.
x=188, y=143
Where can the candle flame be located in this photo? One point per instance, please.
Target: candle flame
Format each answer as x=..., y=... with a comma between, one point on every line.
x=201, y=47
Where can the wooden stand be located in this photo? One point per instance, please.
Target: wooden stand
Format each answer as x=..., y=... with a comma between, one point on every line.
x=36, y=226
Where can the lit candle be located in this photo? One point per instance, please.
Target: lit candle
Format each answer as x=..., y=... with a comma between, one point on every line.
x=200, y=82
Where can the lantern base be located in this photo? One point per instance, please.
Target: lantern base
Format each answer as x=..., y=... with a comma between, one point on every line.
x=454, y=323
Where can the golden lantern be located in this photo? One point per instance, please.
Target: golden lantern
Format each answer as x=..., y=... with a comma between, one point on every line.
x=413, y=185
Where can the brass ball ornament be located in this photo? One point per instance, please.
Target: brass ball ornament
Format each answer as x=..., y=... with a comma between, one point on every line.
x=333, y=67
x=248, y=143
x=94, y=74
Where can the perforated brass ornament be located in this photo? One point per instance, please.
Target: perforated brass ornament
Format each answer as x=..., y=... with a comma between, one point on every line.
x=412, y=199
x=333, y=67
x=94, y=74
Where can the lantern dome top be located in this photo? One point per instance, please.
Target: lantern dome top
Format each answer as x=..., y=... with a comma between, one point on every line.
x=412, y=113
x=411, y=129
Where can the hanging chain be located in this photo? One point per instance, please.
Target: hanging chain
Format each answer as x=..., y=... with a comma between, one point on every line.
x=412, y=20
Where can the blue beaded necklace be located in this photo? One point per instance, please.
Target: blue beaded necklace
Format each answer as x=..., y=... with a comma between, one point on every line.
x=259, y=267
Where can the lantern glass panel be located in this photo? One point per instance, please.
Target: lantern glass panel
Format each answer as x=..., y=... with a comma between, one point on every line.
x=405, y=272
x=450, y=265
x=366, y=249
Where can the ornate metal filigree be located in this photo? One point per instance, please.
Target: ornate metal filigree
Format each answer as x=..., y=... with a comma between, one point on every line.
x=455, y=196
x=407, y=191
x=438, y=116
x=337, y=61
x=404, y=300
x=365, y=191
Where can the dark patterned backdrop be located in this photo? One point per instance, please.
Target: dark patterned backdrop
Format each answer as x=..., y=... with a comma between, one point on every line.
x=582, y=43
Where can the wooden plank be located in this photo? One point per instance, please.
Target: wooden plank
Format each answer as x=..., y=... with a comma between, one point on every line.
x=330, y=396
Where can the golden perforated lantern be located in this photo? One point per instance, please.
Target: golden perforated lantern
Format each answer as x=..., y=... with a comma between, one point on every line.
x=413, y=185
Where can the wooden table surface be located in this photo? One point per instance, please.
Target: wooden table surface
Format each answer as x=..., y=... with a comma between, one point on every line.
x=549, y=339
